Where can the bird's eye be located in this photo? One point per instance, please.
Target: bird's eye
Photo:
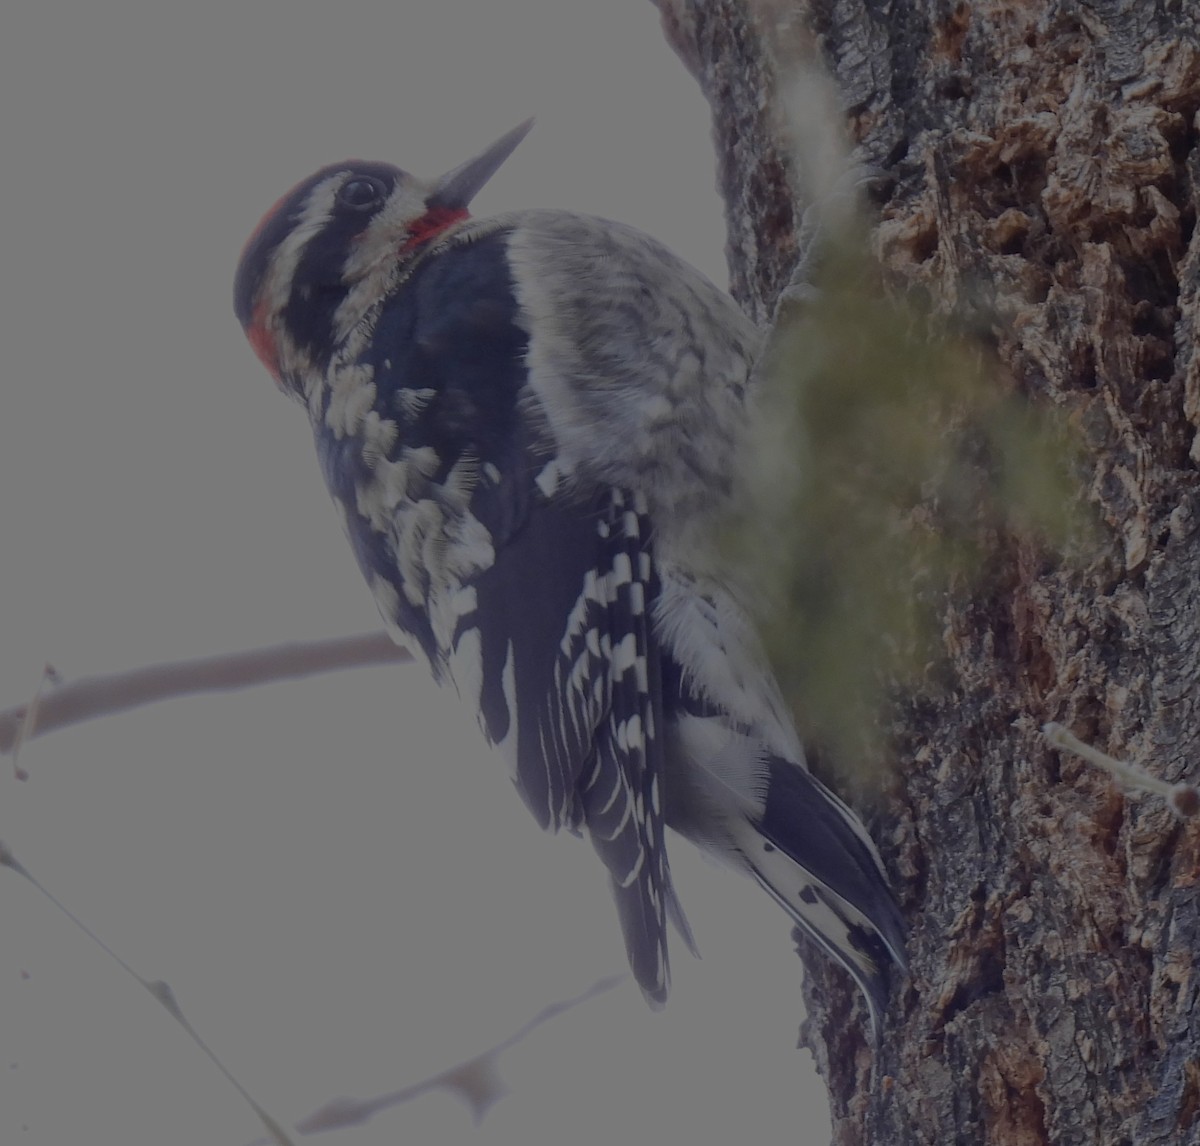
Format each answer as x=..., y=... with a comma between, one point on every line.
x=361, y=193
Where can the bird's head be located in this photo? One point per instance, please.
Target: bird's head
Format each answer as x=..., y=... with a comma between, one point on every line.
x=335, y=243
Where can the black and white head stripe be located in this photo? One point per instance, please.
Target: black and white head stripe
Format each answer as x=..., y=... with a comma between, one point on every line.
x=304, y=217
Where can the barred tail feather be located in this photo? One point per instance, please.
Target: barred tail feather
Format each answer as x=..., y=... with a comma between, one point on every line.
x=811, y=854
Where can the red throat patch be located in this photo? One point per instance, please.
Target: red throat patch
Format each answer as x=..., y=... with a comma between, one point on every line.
x=432, y=224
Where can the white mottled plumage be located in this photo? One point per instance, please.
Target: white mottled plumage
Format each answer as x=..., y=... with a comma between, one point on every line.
x=637, y=363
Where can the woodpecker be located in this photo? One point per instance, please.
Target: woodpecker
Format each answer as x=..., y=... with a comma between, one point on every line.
x=528, y=424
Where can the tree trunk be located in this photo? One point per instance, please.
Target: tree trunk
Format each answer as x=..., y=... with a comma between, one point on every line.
x=1046, y=158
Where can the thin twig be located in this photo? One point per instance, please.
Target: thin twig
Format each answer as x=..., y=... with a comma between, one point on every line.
x=162, y=994
x=29, y=719
x=477, y=1081
x=114, y=692
x=1182, y=798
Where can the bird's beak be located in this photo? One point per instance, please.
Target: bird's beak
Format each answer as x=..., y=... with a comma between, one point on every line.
x=457, y=188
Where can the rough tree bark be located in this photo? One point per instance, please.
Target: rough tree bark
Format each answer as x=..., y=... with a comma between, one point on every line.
x=1046, y=156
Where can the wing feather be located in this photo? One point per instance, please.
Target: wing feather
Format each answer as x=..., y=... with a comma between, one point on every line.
x=528, y=584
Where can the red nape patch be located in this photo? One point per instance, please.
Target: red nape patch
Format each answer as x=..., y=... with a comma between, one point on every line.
x=432, y=224
x=263, y=342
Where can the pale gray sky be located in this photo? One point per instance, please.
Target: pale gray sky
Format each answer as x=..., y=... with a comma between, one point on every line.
x=339, y=884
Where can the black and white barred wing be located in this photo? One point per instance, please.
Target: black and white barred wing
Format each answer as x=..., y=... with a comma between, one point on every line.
x=560, y=650
x=528, y=592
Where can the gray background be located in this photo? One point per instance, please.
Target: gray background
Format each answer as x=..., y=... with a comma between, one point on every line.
x=342, y=889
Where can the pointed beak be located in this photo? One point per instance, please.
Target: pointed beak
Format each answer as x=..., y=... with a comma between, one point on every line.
x=457, y=188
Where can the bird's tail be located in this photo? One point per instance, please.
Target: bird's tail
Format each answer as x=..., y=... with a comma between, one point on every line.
x=813, y=856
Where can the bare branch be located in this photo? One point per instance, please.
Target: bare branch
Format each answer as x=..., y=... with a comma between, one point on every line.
x=102, y=695
x=477, y=1081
